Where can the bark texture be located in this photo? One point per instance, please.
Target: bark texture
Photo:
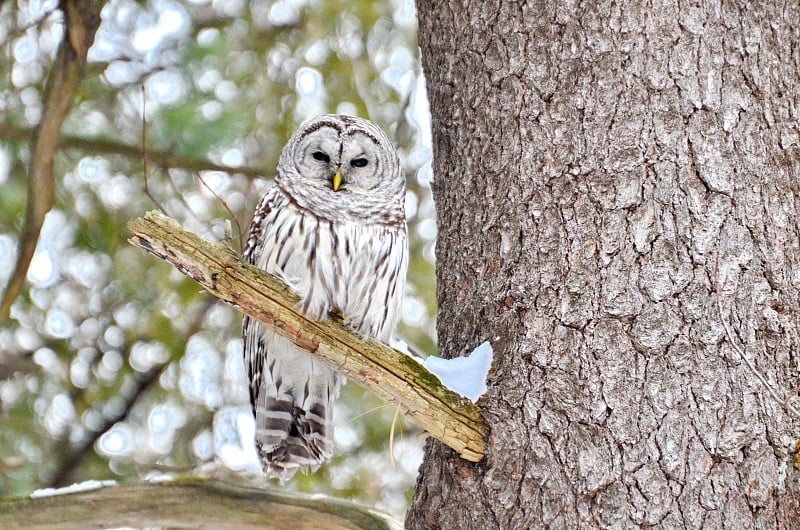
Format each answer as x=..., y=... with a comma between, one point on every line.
x=614, y=181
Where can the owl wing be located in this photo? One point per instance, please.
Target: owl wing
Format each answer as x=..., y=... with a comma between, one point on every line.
x=291, y=392
x=376, y=282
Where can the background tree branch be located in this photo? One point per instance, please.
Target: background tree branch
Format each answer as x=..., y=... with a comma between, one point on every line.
x=103, y=146
x=71, y=455
x=390, y=374
x=194, y=503
x=81, y=22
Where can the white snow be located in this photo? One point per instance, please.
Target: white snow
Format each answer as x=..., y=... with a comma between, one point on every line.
x=464, y=375
x=87, y=485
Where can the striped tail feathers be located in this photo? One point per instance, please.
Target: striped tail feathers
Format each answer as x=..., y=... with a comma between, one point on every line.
x=290, y=438
x=294, y=410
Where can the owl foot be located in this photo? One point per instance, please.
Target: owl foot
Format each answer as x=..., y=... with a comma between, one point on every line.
x=340, y=317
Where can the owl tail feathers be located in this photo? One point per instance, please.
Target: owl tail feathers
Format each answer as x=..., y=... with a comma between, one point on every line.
x=290, y=438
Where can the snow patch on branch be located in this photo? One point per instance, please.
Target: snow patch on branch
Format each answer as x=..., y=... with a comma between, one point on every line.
x=466, y=376
x=87, y=485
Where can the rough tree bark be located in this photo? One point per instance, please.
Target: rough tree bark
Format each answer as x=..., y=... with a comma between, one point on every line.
x=617, y=196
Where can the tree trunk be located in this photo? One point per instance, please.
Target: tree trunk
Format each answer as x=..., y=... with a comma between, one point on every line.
x=618, y=199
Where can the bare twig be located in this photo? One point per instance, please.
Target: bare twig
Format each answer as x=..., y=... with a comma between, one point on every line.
x=77, y=454
x=388, y=373
x=225, y=205
x=81, y=21
x=72, y=456
x=395, y=418
x=36, y=22
x=145, y=171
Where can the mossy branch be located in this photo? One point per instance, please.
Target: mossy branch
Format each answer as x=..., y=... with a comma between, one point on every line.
x=192, y=503
x=390, y=374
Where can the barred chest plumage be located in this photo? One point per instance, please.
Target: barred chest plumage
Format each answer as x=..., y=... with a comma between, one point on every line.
x=336, y=265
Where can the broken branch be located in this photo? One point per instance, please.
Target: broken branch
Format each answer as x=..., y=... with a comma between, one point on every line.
x=391, y=375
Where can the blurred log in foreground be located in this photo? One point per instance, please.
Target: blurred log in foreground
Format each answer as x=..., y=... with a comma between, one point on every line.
x=190, y=504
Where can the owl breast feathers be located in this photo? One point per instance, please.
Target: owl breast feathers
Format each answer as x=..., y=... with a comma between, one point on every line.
x=332, y=226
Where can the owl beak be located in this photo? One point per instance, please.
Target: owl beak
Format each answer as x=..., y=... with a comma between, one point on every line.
x=337, y=181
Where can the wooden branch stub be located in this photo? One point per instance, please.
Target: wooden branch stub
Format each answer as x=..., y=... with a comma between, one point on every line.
x=390, y=374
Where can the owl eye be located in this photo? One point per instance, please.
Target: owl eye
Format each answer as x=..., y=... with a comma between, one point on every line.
x=322, y=157
x=359, y=162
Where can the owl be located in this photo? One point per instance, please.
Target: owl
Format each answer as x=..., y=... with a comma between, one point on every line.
x=333, y=227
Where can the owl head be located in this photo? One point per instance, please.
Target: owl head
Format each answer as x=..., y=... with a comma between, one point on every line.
x=344, y=155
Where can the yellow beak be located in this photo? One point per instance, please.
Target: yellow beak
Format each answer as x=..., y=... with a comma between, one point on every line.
x=337, y=181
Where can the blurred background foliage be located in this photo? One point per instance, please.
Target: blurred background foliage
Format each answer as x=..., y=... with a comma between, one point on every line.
x=113, y=365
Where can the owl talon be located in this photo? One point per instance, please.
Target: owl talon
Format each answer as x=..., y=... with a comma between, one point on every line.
x=340, y=317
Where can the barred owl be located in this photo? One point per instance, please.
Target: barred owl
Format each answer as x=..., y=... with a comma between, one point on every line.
x=332, y=226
